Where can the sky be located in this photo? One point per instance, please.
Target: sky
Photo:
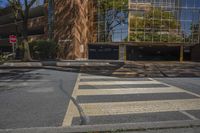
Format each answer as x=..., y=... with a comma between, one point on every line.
x=3, y=3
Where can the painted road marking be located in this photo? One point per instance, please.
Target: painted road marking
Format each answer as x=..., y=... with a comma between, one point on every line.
x=128, y=107
x=71, y=109
x=100, y=109
x=97, y=77
x=114, y=79
x=189, y=115
x=92, y=92
x=118, y=82
x=87, y=77
x=191, y=93
x=103, y=77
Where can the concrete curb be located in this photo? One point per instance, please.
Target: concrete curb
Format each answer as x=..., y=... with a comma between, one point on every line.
x=60, y=64
x=110, y=127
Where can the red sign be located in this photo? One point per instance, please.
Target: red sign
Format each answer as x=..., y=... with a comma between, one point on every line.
x=12, y=39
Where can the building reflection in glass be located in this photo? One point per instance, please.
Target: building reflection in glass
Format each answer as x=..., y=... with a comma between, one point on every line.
x=169, y=21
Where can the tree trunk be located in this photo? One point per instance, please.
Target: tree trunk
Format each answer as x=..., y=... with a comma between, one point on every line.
x=27, y=55
x=72, y=26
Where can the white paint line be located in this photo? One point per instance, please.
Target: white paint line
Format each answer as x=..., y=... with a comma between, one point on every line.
x=86, y=92
x=98, y=77
x=112, y=80
x=71, y=110
x=118, y=82
x=191, y=93
x=98, y=109
x=189, y=115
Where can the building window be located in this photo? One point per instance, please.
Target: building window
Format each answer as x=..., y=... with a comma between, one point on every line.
x=152, y=21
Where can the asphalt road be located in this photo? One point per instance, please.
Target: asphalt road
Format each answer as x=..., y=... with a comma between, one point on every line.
x=34, y=98
x=189, y=84
x=41, y=98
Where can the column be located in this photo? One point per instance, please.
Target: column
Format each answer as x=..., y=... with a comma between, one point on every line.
x=122, y=52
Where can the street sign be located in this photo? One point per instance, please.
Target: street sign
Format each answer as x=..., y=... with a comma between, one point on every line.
x=12, y=39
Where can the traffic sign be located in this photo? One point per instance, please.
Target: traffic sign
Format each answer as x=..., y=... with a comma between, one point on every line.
x=12, y=39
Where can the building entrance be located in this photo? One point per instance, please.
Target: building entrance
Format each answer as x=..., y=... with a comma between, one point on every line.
x=153, y=53
x=103, y=52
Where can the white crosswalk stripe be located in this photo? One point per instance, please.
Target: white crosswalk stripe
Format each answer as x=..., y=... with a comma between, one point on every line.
x=118, y=82
x=128, y=107
x=98, y=109
x=86, y=92
x=97, y=77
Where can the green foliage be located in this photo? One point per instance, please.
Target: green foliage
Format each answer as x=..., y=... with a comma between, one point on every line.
x=111, y=13
x=106, y=5
x=2, y=59
x=151, y=24
x=43, y=49
x=5, y=57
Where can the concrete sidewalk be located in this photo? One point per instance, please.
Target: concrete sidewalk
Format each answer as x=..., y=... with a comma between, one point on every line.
x=61, y=63
x=159, y=69
x=118, y=128
x=117, y=68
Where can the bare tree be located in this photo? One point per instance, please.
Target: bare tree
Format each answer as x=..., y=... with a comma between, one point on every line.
x=21, y=8
x=113, y=13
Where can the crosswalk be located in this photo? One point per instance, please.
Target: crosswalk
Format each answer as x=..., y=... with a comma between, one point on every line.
x=108, y=100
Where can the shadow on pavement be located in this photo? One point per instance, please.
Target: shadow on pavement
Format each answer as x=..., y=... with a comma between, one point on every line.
x=139, y=70
x=122, y=70
x=20, y=74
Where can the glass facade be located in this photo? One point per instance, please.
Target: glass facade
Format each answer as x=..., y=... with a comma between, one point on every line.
x=154, y=21
x=112, y=20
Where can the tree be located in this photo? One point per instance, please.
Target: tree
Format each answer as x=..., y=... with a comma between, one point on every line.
x=113, y=13
x=21, y=8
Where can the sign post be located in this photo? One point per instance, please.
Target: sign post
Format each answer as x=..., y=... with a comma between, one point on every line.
x=13, y=40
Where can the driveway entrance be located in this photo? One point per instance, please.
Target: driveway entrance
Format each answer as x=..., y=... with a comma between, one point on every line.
x=155, y=53
x=103, y=52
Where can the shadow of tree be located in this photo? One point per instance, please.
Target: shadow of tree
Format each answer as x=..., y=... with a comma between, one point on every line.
x=20, y=74
x=138, y=70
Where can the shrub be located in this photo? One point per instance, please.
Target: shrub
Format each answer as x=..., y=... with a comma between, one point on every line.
x=43, y=50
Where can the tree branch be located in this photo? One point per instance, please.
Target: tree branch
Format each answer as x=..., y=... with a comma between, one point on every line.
x=16, y=6
x=31, y=3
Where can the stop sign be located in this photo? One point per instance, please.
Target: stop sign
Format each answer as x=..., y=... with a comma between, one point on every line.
x=12, y=39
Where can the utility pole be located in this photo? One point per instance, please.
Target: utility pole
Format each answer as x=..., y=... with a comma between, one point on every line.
x=50, y=18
